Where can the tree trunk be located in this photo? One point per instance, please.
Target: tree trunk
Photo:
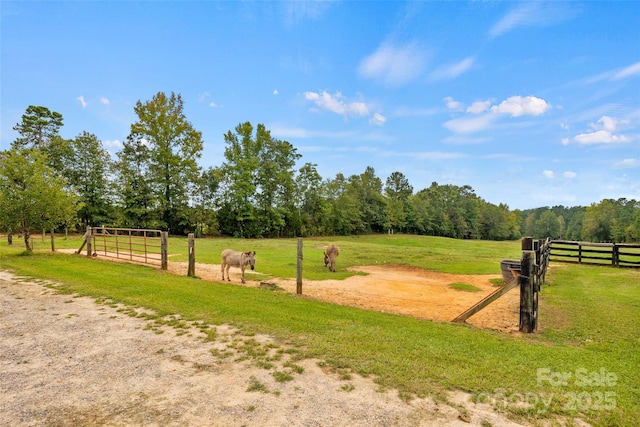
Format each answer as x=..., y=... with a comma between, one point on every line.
x=27, y=241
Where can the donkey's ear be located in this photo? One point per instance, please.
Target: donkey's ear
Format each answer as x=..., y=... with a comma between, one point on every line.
x=254, y=252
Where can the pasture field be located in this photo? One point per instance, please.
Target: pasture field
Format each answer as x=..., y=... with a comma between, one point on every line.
x=584, y=361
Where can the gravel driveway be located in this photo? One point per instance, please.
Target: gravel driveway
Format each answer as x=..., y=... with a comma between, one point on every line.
x=74, y=361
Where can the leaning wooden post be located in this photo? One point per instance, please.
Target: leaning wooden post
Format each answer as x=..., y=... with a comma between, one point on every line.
x=527, y=271
x=164, y=250
x=299, y=269
x=192, y=257
x=88, y=236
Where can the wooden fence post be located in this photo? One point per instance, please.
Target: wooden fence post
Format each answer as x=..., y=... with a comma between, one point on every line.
x=579, y=252
x=88, y=235
x=299, y=269
x=527, y=292
x=164, y=250
x=192, y=257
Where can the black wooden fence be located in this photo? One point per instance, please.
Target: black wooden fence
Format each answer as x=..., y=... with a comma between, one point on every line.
x=615, y=254
x=533, y=271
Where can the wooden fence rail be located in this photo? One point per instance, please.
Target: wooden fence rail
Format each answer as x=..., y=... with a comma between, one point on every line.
x=616, y=254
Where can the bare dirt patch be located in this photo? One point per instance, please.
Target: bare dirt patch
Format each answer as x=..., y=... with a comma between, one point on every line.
x=407, y=291
x=67, y=360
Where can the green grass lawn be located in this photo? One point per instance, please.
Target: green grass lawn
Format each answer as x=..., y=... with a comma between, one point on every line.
x=584, y=362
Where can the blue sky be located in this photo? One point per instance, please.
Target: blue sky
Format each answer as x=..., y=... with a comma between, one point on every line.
x=530, y=103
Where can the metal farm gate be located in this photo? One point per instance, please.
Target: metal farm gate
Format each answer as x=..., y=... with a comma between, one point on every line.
x=130, y=244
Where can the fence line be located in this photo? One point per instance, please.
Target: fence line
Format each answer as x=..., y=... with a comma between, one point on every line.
x=616, y=254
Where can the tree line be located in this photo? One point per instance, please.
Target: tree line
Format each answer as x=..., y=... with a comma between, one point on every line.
x=259, y=191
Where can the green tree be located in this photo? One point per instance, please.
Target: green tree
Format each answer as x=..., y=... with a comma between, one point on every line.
x=136, y=201
x=397, y=190
x=275, y=180
x=599, y=222
x=33, y=197
x=259, y=190
x=309, y=200
x=366, y=189
x=206, y=200
x=239, y=171
x=38, y=126
x=548, y=225
x=421, y=214
x=574, y=224
x=498, y=223
x=88, y=172
x=342, y=215
x=625, y=211
x=632, y=232
x=174, y=146
x=453, y=211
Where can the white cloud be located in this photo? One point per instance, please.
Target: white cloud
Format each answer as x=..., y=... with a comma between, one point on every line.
x=565, y=141
x=627, y=164
x=202, y=96
x=470, y=124
x=479, y=107
x=608, y=123
x=452, y=104
x=603, y=132
x=104, y=101
x=617, y=74
x=296, y=12
x=213, y=105
x=336, y=104
x=569, y=174
x=599, y=137
x=529, y=14
x=394, y=65
x=454, y=70
x=482, y=115
x=378, y=119
x=520, y=106
x=522, y=15
x=82, y=101
x=275, y=92
x=548, y=174
x=112, y=144
x=631, y=70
